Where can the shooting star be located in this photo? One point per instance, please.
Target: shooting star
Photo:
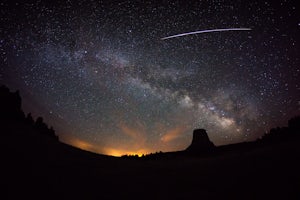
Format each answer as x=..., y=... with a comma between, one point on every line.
x=206, y=31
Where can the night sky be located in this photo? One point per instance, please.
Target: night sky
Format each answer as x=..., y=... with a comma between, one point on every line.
x=100, y=74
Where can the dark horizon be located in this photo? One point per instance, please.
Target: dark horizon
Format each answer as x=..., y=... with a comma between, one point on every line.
x=13, y=114
x=37, y=165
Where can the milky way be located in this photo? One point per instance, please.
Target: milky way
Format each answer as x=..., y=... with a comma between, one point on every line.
x=101, y=75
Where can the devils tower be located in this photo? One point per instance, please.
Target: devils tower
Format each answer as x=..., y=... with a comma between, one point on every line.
x=200, y=142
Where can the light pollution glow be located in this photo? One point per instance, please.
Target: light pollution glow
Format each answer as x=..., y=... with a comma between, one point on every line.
x=105, y=78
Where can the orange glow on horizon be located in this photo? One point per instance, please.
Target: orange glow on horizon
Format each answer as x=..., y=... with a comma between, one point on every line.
x=84, y=145
x=81, y=144
x=122, y=152
x=107, y=150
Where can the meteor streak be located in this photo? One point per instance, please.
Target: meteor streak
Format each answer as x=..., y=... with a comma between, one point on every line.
x=206, y=31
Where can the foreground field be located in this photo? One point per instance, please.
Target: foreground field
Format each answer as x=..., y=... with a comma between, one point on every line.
x=46, y=169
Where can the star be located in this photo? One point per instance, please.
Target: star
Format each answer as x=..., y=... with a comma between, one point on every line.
x=99, y=73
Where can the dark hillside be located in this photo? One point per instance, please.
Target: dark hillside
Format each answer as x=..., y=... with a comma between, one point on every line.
x=35, y=165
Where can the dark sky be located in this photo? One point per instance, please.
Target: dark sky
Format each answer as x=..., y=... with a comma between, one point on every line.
x=99, y=72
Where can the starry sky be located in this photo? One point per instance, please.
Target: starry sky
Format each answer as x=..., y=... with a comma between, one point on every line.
x=100, y=74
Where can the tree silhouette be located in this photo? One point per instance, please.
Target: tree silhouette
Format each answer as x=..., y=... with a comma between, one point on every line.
x=11, y=111
x=29, y=119
x=294, y=124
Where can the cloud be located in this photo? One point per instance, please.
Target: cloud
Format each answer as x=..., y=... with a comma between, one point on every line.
x=81, y=144
x=172, y=134
x=138, y=133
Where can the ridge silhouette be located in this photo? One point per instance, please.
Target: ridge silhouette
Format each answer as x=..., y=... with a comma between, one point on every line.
x=11, y=112
x=36, y=165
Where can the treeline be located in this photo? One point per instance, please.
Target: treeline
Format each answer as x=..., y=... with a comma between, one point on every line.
x=136, y=156
x=274, y=136
x=11, y=114
x=283, y=133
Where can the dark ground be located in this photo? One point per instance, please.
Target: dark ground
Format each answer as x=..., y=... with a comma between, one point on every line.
x=35, y=165
x=39, y=167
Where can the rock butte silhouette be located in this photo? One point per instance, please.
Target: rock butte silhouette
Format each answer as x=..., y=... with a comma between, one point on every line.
x=11, y=111
x=200, y=142
x=37, y=166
